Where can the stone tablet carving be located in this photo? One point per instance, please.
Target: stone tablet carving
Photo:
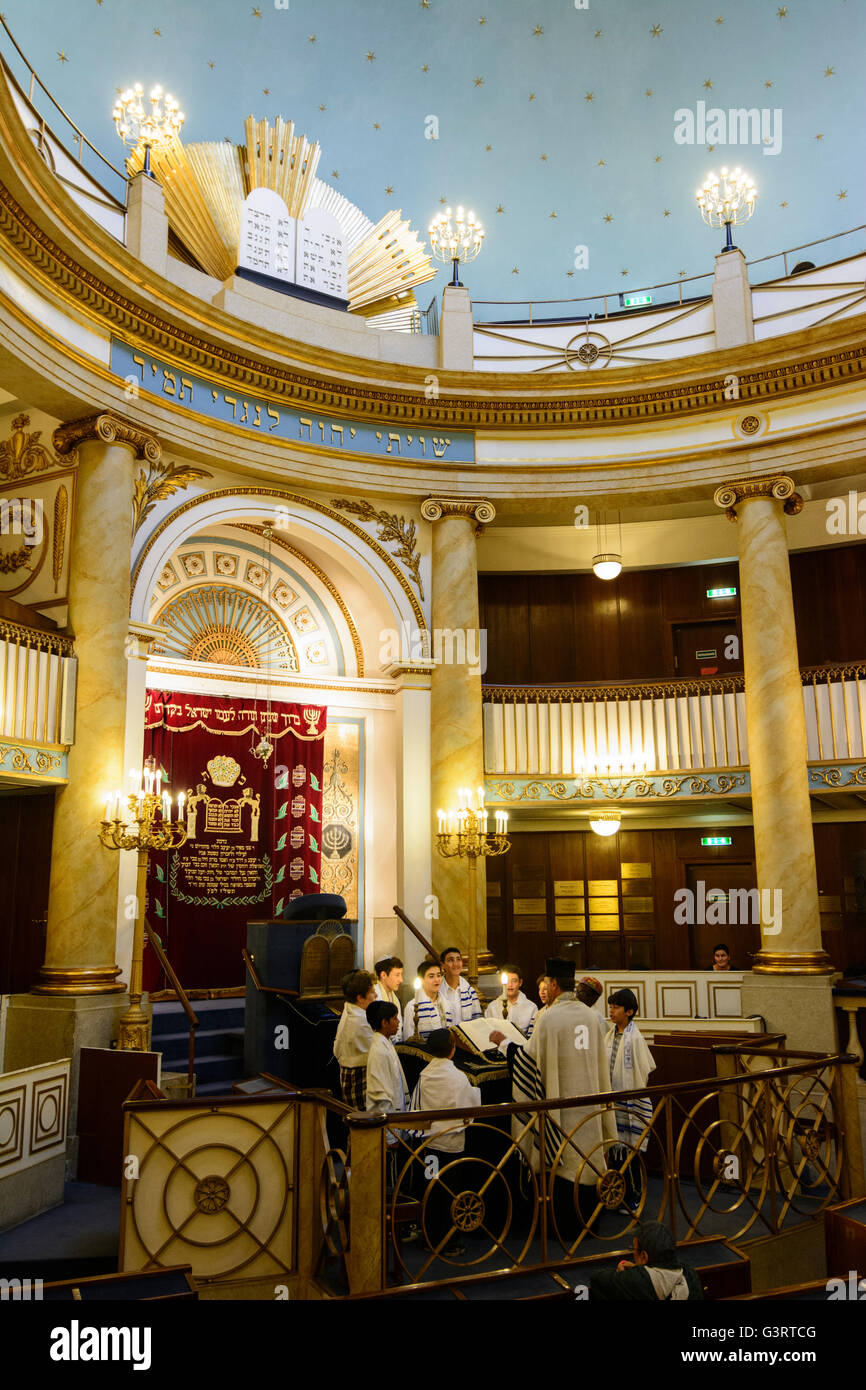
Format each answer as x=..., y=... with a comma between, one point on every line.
x=268, y=236
x=322, y=261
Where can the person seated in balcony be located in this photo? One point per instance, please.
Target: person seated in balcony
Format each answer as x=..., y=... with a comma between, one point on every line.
x=427, y=1007
x=389, y=978
x=630, y=1062
x=458, y=994
x=654, y=1272
x=354, y=1037
x=513, y=1003
x=721, y=957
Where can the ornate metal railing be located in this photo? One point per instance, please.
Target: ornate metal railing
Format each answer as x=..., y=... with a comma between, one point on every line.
x=37, y=701
x=767, y=1143
x=659, y=726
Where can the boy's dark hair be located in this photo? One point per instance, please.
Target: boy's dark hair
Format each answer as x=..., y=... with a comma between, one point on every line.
x=722, y=947
x=440, y=1042
x=447, y=952
x=657, y=1242
x=627, y=998
x=429, y=965
x=378, y=1012
x=562, y=973
x=384, y=967
x=357, y=982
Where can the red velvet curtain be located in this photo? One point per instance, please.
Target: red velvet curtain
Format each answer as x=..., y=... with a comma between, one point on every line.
x=254, y=828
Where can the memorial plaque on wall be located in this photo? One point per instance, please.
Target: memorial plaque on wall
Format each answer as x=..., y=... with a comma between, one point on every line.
x=268, y=236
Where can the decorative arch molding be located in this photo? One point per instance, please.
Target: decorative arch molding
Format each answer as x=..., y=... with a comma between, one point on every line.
x=231, y=506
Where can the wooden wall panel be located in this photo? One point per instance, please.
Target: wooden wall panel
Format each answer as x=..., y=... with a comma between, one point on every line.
x=26, y=824
x=622, y=630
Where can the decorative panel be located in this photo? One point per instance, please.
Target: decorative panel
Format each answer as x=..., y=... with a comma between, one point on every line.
x=340, y=803
x=638, y=921
x=637, y=904
x=34, y=1108
x=565, y=887
x=675, y=1000
x=571, y=924
x=725, y=1000
x=530, y=924
x=215, y=1188
x=604, y=905
x=524, y=905
x=636, y=870
x=604, y=923
x=569, y=905
x=602, y=887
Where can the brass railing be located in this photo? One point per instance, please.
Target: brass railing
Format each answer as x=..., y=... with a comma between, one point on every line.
x=765, y=1144
x=636, y=727
x=37, y=684
x=183, y=998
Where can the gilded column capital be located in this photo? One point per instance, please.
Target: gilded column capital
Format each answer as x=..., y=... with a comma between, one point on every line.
x=111, y=429
x=778, y=487
x=473, y=508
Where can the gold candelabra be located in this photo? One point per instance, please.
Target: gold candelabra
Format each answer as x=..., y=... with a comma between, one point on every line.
x=455, y=241
x=464, y=833
x=728, y=202
x=143, y=824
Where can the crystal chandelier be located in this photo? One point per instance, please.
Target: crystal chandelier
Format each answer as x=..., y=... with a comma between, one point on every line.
x=136, y=126
x=455, y=241
x=727, y=202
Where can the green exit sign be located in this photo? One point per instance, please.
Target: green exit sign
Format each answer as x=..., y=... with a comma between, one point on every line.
x=633, y=301
x=721, y=593
x=715, y=840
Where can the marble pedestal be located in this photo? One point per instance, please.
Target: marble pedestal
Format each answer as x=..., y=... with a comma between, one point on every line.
x=800, y=1006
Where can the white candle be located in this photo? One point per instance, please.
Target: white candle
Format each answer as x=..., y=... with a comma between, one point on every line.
x=180, y=800
x=483, y=822
x=481, y=798
x=116, y=806
x=441, y=815
x=108, y=809
x=166, y=806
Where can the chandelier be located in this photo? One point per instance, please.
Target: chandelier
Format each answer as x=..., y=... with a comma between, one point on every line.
x=727, y=202
x=136, y=126
x=455, y=241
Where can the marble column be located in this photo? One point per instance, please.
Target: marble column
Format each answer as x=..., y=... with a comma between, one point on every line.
x=784, y=842
x=456, y=737
x=82, y=905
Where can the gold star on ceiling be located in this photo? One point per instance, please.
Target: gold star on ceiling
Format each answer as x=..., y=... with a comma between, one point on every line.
x=538, y=31
x=514, y=270
x=708, y=84
x=819, y=137
x=257, y=14
x=425, y=4
x=376, y=125
x=658, y=159
x=553, y=214
x=598, y=33
x=312, y=38
x=443, y=200
x=478, y=82
x=157, y=33
x=667, y=212
x=590, y=96
x=389, y=190
x=211, y=63
x=648, y=92
x=532, y=96
x=783, y=205
x=710, y=149
x=370, y=56
x=768, y=83
x=61, y=57
x=720, y=19
x=267, y=91
x=623, y=272
x=482, y=19
x=843, y=193
x=601, y=164
x=681, y=273
x=607, y=217
x=782, y=11
x=828, y=72
x=323, y=107
x=543, y=158
x=487, y=148
x=569, y=273
x=335, y=173
x=425, y=67
x=655, y=31
x=500, y=208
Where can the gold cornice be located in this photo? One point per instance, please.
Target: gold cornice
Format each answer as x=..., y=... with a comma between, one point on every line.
x=105, y=304
x=109, y=428
x=777, y=487
x=284, y=495
x=275, y=681
x=792, y=963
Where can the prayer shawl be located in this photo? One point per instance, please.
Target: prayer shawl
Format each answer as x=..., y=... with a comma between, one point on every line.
x=354, y=1037
x=442, y=1086
x=389, y=997
x=353, y=1084
x=461, y=1001
x=430, y=1015
x=565, y=1057
x=386, y=1084
x=633, y=1064
x=522, y=1013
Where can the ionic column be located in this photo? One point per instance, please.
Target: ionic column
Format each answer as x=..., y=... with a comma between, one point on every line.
x=82, y=906
x=456, y=737
x=784, y=842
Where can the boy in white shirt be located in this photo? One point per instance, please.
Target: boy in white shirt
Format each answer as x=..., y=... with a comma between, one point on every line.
x=441, y=1086
x=386, y=1084
x=354, y=1037
x=389, y=978
x=513, y=1003
x=458, y=995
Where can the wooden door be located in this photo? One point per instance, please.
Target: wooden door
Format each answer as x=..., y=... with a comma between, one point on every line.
x=26, y=821
x=743, y=939
x=699, y=648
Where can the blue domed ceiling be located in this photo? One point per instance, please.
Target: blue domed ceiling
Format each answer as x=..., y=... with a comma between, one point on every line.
x=554, y=120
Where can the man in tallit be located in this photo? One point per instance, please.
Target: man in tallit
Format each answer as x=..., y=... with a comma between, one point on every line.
x=654, y=1273
x=565, y=1057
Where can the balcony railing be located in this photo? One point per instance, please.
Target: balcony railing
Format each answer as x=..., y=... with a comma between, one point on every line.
x=661, y=726
x=37, y=700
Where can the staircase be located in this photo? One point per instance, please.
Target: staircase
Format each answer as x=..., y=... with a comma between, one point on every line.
x=219, y=1042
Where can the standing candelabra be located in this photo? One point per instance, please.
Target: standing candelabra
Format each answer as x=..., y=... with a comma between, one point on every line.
x=728, y=202
x=143, y=824
x=464, y=832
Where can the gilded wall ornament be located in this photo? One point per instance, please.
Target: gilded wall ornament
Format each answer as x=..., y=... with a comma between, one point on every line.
x=61, y=511
x=393, y=529
x=161, y=480
x=22, y=454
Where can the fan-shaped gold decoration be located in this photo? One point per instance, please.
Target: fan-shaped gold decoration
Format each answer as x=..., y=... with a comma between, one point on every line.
x=224, y=625
x=205, y=186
